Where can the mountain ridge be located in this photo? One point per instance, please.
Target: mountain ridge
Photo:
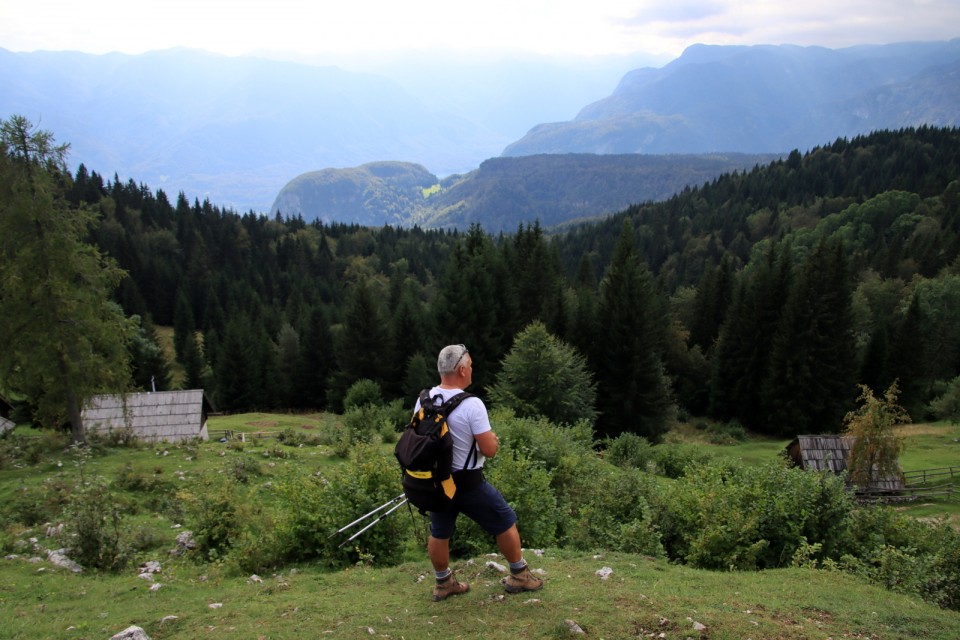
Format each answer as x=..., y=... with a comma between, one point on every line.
x=503, y=192
x=759, y=99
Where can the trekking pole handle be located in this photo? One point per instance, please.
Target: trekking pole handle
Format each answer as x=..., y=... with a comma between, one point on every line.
x=366, y=515
x=351, y=538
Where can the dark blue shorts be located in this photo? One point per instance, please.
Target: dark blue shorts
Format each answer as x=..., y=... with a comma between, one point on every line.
x=482, y=504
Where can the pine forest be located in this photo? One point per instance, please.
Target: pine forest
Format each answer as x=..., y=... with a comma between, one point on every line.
x=765, y=297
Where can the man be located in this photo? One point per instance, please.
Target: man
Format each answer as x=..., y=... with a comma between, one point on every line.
x=482, y=503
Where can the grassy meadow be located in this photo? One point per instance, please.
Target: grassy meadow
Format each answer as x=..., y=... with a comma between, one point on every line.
x=643, y=597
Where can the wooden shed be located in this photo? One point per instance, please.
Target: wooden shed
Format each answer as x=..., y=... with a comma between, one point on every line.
x=170, y=416
x=831, y=453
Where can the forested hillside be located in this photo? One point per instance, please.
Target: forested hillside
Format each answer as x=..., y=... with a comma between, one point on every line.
x=503, y=192
x=764, y=297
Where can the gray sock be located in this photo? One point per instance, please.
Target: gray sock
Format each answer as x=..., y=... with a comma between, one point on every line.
x=518, y=566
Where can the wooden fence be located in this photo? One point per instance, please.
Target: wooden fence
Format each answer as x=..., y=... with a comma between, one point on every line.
x=940, y=483
x=242, y=436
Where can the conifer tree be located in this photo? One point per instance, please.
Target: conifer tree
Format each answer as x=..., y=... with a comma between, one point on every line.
x=63, y=339
x=193, y=366
x=474, y=306
x=234, y=385
x=288, y=360
x=150, y=369
x=741, y=361
x=535, y=271
x=184, y=325
x=907, y=362
x=583, y=326
x=632, y=388
x=544, y=376
x=363, y=343
x=710, y=304
x=811, y=379
x=317, y=360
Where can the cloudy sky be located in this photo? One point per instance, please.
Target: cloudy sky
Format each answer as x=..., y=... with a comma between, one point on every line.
x=578, y=27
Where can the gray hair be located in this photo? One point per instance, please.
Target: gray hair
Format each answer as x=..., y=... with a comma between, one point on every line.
x=450, y=357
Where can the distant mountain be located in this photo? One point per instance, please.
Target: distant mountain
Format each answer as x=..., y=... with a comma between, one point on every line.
x=503, y=192
x=374, y=194
x=236, y=129
x=230, y=129
x=762, y=99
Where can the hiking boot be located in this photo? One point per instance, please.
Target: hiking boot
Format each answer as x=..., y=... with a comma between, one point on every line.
x=449, y=587
x=523, y=580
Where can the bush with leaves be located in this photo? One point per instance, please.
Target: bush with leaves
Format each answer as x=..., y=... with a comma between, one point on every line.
x=362, y=423
x=218, y=509
x=677, y=460
x=896, y=551
x=93, y=526
x=608, y=507
x=311, y=508
x=361, y=393
x=630, y=450
x=544, y=376
x=728, y=516
x=876, y=446
x=540, y=439
x=946, y=406
x=31, y=505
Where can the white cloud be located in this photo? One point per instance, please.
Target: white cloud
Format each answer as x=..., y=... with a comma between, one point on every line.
x=545, y=26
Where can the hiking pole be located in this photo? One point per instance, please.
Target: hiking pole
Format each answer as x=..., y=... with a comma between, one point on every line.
x=397, y=506
x=366, y=515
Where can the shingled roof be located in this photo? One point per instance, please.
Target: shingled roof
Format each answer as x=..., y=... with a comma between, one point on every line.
x=831, y=453
x=171, y=416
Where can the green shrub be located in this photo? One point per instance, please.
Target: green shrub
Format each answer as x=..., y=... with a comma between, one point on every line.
x=311, y=508
x=525, y=484
x=363, y=422
x=32, y=450
x=608, y=508
x=727, y=516
x=946, y=406
x=113, y=438
x=31, y=505
x=727, y=433
x=630, y=450
x=902, y=554
x=540, y=440
x=93, y=527
x=361, y=393
x=676, y=460
x=217, y=511
x=244, y=469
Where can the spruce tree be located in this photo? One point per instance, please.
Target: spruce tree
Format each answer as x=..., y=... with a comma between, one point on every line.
x=317, y=360
x=363, y=343
x=741, y=360
x=811, y=382
x=474, y=306
x=544, y=376
x=632, y=388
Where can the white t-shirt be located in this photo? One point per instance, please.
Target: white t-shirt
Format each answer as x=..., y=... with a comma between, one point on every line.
x=469, y=419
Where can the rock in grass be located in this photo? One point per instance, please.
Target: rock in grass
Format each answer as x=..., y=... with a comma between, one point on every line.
x=131, y=633
x=573, y=627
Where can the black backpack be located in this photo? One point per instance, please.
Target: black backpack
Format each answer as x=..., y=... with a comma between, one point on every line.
x=425, y=454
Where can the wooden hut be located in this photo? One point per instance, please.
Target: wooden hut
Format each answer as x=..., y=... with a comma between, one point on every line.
x=170, y=416
x=831, y=453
